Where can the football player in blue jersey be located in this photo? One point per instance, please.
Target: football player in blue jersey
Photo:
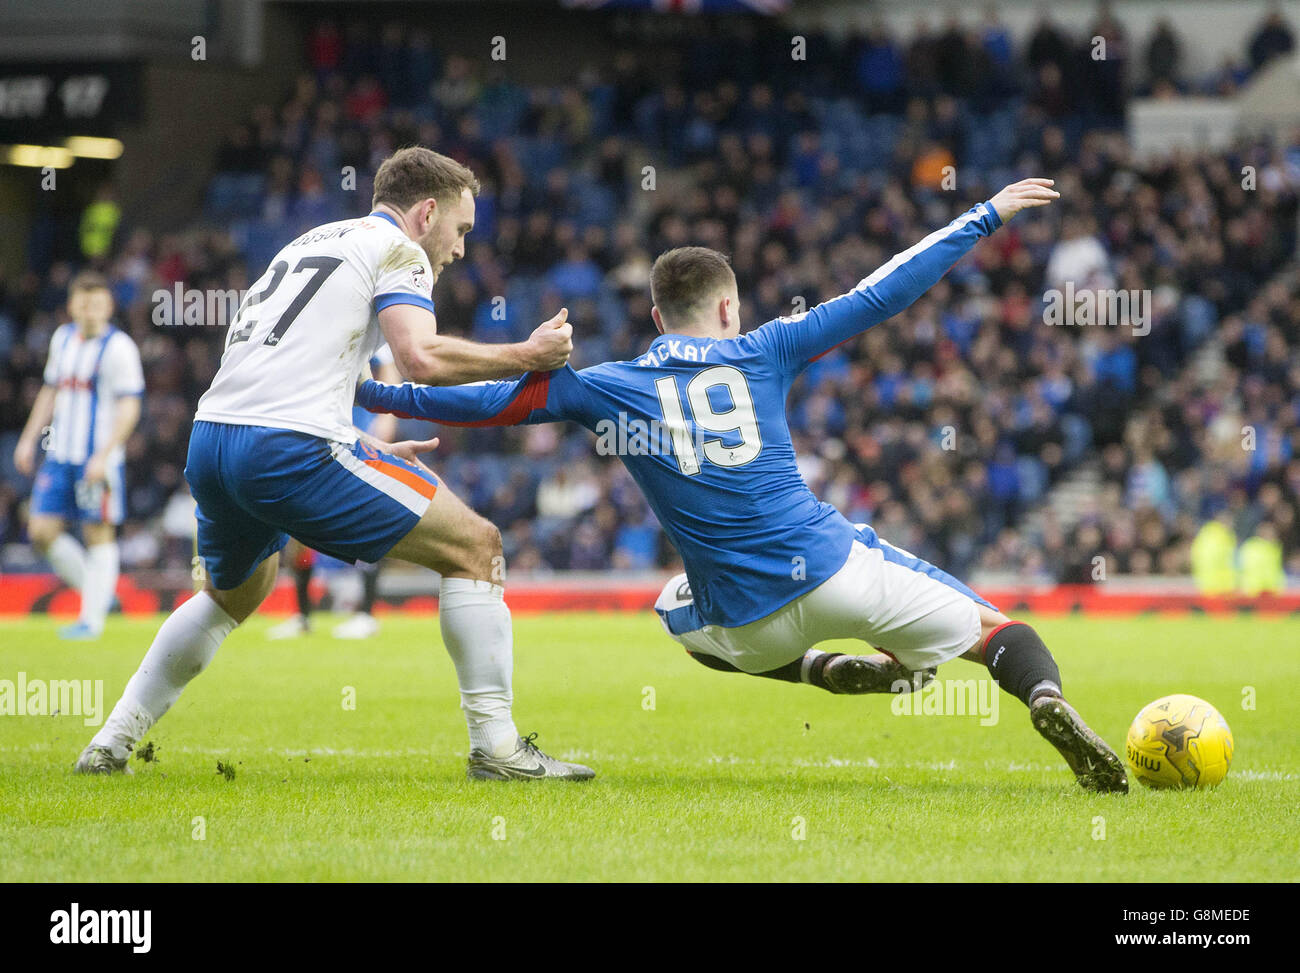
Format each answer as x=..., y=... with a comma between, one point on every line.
x=699, y=420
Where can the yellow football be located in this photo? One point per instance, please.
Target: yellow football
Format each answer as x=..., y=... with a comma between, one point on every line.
x=1179, y=741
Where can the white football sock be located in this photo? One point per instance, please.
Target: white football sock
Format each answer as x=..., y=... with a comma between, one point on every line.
x=102, y=567
x=809, y=657
x=475, y=626
x=183, y=647
x=68, y=558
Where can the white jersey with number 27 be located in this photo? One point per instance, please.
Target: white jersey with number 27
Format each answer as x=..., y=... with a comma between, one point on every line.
x=296, y=348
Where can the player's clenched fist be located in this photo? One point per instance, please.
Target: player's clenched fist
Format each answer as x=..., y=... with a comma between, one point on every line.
x=551, y=344
x=1023, y=195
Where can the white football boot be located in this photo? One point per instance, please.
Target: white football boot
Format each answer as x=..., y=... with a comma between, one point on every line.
x=291, y=628
x=359, y=626
x=100, y=760
x=526, y=763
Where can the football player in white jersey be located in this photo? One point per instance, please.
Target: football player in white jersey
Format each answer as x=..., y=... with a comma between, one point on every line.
x=274, y=452
x=82, y=417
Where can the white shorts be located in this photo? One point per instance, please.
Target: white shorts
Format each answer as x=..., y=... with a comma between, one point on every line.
x=885, y=601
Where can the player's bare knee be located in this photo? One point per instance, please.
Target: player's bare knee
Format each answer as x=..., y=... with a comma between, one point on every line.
x=98, y=534
x=477, y=554
x=227, y=601
x=990, y=619
x=486, y=560
x=241, y=601
x=491, y=542
x=43, y=531
x=497, y=568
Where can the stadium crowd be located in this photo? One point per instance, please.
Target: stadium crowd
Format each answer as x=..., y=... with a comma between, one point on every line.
x=944, y=427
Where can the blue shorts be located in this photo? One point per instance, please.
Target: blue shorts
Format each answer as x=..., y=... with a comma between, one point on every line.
x=61, y=491
x=255, y=486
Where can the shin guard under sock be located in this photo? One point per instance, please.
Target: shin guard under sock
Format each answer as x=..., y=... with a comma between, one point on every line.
x=1020, y=662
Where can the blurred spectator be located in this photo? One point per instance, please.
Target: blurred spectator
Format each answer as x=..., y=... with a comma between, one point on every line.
x=99, y=224
x=1261, y=563
x=1163, y=55
x=1273, y=39
x=1214, y=554
x=948, y=426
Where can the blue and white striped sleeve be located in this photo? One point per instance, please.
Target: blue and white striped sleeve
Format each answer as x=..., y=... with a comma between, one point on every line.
x=58, y=342
x=122, y=366
x=795, y=341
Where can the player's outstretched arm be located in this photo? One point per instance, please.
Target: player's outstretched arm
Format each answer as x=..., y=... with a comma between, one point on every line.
x=897, y=284
x=1022, y=195
x=533, y=398
x=422, y=355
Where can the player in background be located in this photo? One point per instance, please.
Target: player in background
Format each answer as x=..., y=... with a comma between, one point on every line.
x=302, y=564
x=770, y=570
x=273, y=452
x=89, y=403
x=302, y=560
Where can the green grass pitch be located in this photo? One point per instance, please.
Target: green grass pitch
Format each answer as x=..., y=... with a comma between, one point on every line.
x=701, y=775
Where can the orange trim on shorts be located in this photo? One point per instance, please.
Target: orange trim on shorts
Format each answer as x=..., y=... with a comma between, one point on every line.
x=402, y=475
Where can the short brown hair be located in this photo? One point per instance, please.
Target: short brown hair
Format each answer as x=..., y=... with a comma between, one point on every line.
x=682, y=280
x=88, y=280
x=415, y=173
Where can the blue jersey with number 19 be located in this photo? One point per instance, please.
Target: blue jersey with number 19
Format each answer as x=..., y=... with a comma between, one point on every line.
x=700, y=424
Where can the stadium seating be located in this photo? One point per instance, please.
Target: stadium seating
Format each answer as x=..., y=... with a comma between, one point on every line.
x=1037, y=412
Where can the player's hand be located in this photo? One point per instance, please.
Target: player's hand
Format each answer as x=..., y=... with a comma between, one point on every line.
x=96, y=470
x=410, y=450
x=25, y=457
x=550, y=346
x=1024, y=194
